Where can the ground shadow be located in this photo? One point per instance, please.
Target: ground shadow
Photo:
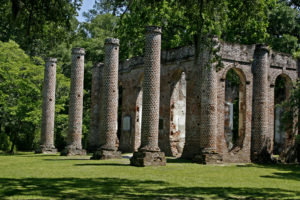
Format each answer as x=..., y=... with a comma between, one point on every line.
x=288, y=171
x=178, y=160
x=117, y=188
x=101, y=164
x=67, y=159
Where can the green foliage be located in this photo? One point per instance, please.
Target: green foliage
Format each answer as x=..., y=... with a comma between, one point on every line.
x=292, y=108
x=20, y=95
x=39, y=25
x=284, y=28
x=248, y=21
x=5, y=143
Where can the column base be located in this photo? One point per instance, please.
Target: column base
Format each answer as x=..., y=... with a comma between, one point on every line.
x=208, y=157
x=103, y=154
x=73, y=151
x=262, y=158
x=46, y=150
x=144, y=159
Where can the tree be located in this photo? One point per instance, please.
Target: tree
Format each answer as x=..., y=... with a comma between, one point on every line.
x=38, y=25
x=284, y=28
x=21, y=81
x=187, y=22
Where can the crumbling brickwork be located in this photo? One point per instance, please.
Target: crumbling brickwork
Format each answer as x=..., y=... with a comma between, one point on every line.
x=74, y=146
x=48, y=112
x=257, y=68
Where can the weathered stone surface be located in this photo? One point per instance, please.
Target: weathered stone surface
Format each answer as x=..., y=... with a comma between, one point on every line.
x=48, y=112
x=144, y=159
x=74, y=146
x=103, y=154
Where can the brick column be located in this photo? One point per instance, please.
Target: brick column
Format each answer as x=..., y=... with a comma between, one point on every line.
x=149, y=152
x=261, y=141
x=76, y=105
x=208, y=105
x=47, y=132
x=110, y=102
x=94, y=137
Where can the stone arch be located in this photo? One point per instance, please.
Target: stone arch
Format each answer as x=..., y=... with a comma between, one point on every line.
x=246, y=76
x=285, y=74
x=236, y=144
x=177, y=111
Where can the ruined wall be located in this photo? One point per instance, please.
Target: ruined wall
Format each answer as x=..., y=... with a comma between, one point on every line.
x=177, y=61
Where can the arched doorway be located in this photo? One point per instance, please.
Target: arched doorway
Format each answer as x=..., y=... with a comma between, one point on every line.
x=234, y=109
x=281, y=94
x=178, y=113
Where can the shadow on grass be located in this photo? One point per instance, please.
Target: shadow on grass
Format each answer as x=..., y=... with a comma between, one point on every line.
x=116, y=188
x=289, y=171
x=101, y=164
x=178, y=160
x=67, y=159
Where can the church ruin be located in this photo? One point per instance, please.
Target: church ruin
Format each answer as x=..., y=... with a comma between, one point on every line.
x=175, y=105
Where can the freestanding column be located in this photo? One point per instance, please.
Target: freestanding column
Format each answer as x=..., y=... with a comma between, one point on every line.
x=110, y=102
x=149, y=152
x=94, y=137
x=208, y=105
x=76, y=105
x=261, y=141
x=47, y=132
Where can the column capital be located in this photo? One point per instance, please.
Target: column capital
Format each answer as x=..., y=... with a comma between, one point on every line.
x=153, y=29
x=78, y=50
x=52, y=60
x=112, y=41
x=262, y=47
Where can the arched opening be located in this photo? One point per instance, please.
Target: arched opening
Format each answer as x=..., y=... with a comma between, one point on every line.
x=138, y=114
x=281, y=93
x=138, y=119
x=234, y=109
x=119, y=125
x=178, y=113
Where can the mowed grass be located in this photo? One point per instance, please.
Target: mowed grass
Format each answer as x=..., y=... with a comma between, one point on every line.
x=30, y=176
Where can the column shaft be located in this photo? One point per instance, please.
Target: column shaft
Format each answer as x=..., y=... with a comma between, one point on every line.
x=110, y=101
x=151, y=90
x=260, y=138
x=209, y=115
x=110, y=95
x=149, y=153
x=48, y=112
x=74, y=146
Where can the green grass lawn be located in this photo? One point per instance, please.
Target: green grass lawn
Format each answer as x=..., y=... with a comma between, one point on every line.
x=30, y=176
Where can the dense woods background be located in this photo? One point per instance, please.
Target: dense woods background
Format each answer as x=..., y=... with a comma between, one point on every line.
x=30, y=31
